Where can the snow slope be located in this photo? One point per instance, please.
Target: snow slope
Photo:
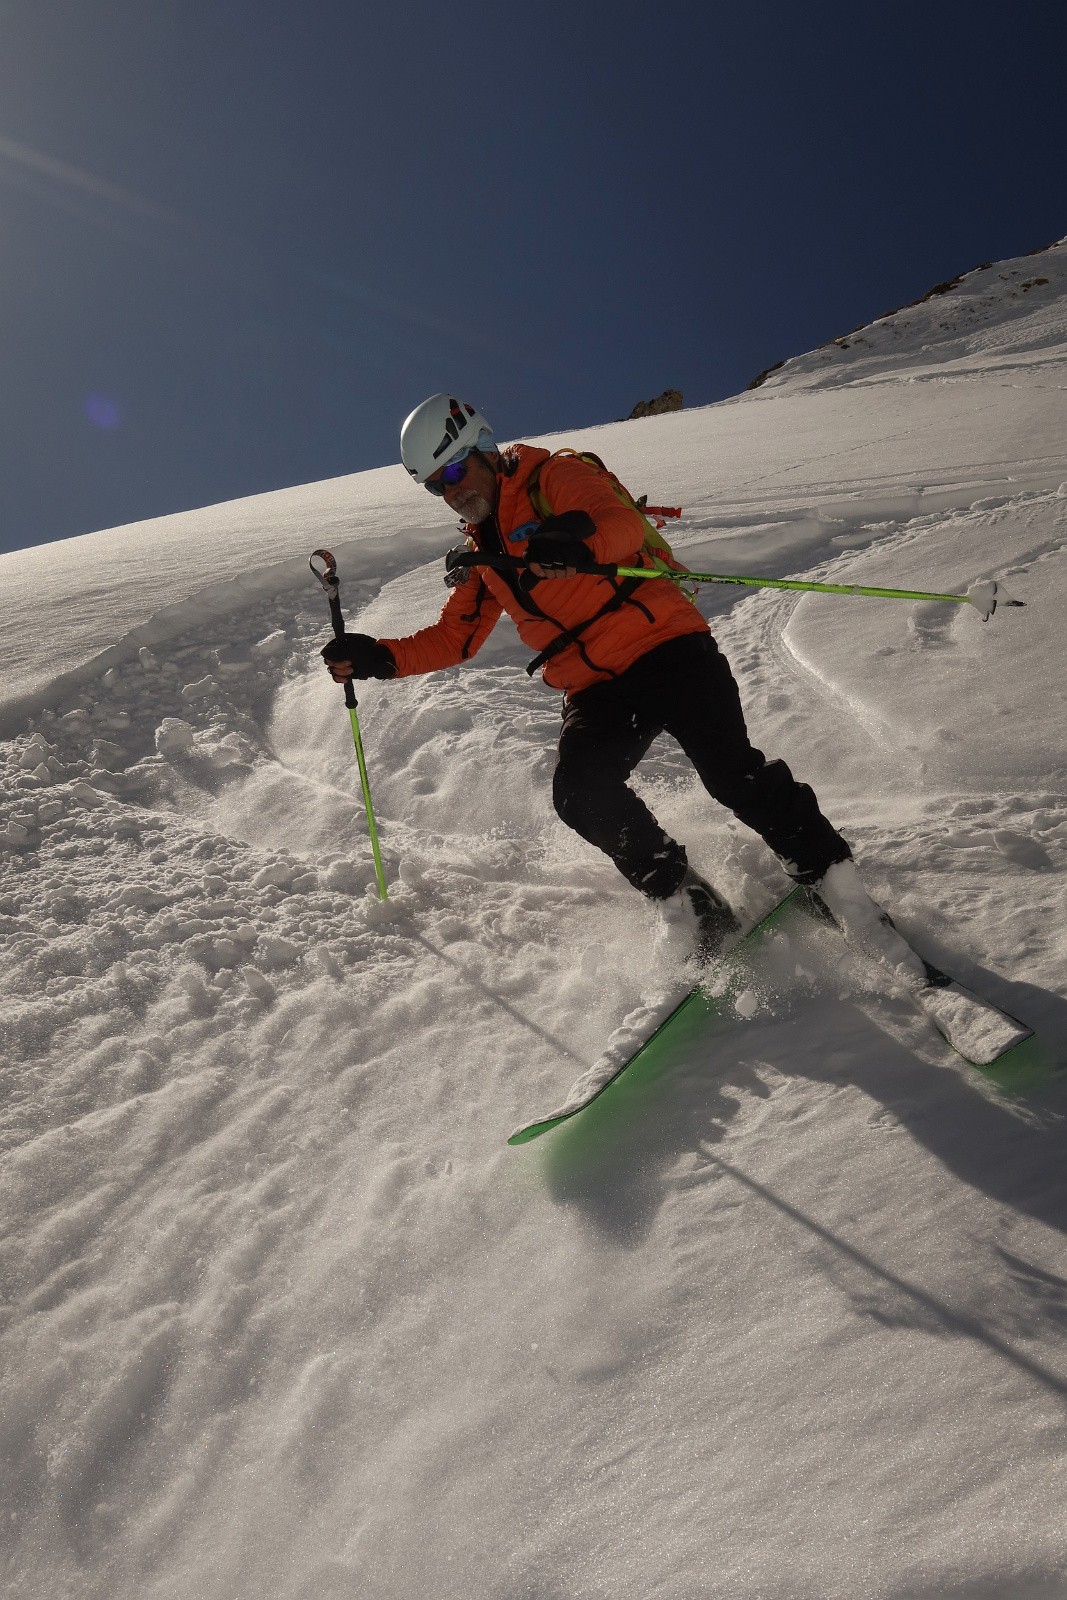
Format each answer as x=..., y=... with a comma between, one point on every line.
x=279, y=1312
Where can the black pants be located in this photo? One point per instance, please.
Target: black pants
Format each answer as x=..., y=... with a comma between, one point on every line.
x=684, y=688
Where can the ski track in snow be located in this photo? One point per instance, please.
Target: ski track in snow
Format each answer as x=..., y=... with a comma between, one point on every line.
x=280, y=1314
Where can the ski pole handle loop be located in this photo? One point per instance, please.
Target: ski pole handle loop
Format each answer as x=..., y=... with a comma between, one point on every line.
x=328, y=578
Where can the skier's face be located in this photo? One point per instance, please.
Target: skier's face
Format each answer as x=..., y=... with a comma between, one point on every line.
x=474, y=497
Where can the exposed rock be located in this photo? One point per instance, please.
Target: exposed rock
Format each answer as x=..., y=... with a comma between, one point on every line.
x=761, y=377
x=669, y=400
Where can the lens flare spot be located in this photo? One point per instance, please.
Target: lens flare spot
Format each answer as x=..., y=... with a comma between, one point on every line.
x=103, y=412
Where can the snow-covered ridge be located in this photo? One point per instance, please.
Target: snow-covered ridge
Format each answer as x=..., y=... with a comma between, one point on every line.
x=983, y=317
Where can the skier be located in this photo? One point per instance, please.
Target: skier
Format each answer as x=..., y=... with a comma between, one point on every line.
x=633, y=659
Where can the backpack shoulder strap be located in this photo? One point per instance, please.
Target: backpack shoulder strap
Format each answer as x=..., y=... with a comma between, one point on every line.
x=655, y=546
x=536, y=494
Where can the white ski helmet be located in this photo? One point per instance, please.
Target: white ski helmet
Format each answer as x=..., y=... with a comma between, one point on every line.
x=441, y=428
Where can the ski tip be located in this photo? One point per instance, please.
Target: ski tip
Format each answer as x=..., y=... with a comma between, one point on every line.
x=533, y=1130
x=1022, y=1069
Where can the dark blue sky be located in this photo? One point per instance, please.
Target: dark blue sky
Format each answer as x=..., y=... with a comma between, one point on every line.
x=240, y=239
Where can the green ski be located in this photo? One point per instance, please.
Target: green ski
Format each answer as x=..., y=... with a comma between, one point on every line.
x=981, y=1033
x=684, y=1021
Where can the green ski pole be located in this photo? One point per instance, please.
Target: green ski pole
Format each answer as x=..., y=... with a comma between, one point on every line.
x=328, y=578
x=985, y=595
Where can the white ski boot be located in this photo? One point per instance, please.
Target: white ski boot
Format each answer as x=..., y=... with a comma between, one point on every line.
x=707, y=920
x=865, y=925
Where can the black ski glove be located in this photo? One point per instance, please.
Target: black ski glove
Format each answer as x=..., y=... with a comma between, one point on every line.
x=365, y=657
x=457, y=566
x=559, y=542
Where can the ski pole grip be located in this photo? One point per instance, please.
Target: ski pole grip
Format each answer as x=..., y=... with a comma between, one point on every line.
x=326, y=572
x=336, y=618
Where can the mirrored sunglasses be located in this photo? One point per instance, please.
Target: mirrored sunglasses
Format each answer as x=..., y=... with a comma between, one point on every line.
x=450, y=475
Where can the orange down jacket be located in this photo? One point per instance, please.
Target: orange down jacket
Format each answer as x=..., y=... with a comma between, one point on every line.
x=657, y=610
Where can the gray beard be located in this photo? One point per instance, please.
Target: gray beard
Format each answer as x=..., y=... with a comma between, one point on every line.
x=473, y=508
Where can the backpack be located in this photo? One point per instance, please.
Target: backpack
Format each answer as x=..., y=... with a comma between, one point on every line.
x=655, y=545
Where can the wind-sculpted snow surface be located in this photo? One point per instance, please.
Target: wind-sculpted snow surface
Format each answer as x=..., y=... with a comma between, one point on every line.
x=280, y=1314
